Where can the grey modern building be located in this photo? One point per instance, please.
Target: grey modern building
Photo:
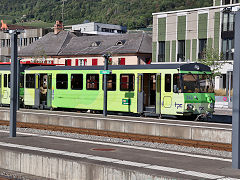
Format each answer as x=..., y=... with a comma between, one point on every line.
x=93, y=28
x=30, y=35
x=182, y=36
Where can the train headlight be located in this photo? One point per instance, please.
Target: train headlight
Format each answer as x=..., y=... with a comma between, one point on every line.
x=189, y=107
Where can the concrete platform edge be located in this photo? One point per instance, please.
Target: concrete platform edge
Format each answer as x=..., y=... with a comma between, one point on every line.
x=48, y=166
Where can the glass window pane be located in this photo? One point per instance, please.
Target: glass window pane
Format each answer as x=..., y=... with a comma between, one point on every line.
x=30, y=80
x=21, y=85
x=127, y=82
x=92, y=82
x=5, y=80
x=225, y=21
x=111, y=82
x=161, y=52
x=176, y=83
x=168, y=86
x=231, y=21
x=181, y=51
x=62, y=81
x=77, y=81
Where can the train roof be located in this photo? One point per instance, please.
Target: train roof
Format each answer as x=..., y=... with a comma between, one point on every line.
x=6, y=66
x=180, y=66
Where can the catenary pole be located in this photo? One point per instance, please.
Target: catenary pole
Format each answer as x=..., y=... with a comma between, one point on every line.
x=236, y=97
x=106, y=57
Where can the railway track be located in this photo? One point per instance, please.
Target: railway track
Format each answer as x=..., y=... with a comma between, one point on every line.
x=135, y=137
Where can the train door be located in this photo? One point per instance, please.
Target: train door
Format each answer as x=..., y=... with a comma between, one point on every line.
x=166, y=94
x=49, y=90
x=37, y=91
x=147, y=93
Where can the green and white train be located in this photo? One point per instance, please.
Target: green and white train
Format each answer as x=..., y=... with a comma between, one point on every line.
x=156, y=89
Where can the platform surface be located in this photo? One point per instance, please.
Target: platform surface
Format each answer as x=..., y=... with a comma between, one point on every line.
x=146, y=160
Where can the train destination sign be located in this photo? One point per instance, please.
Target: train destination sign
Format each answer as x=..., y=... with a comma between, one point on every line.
x=105, y=72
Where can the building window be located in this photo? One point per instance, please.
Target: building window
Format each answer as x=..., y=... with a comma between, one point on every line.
x=20, y=41
x=76, y=81
x=30, y=80
x=3, y=43
x=161, y=52
x=80, y=62
x=228, y=22
x=30, y=40
x=94, y=62
x=8, y=44
x=68, y=62
x=127, y=82
x=92, y=82
x=121, y=61
x=202, y=48
x=227, y=49
x=226, y=2
x=148, y=60
x=62, y=81
x=111, y=82
x=25, y=41
x=181, y=51
x=168, y=84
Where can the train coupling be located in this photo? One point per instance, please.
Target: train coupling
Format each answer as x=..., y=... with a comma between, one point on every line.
x=205, y=116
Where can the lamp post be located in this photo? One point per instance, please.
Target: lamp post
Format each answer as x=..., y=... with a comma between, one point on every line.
x=14, y=81
x=106, y=56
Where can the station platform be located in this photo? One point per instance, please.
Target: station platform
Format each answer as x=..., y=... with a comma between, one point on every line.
x=57, y=157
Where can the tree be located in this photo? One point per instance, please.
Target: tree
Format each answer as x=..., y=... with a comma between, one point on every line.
x=212, y=58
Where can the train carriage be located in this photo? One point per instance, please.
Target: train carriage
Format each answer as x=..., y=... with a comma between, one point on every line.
x=5, y=71
x=156, y=89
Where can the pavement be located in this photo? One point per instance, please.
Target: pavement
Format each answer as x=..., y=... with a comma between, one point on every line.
x=149, y=161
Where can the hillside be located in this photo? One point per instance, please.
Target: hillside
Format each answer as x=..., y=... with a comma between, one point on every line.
x=131, y=13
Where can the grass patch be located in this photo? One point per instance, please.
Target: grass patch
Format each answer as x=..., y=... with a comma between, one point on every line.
x=39, y=24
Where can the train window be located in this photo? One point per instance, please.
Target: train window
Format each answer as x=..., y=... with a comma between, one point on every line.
x=77, y=81
x=21, y=85
x=0, y=80
x=168, y=86
x=49, y=81
x=92, y=82
x=62, y=81
x=176, y=83
x=9, y=78
x=5, y=80
x=111, y=82
x=127, y=82
x=30, y=80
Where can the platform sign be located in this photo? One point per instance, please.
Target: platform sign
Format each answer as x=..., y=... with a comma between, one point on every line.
x=105, y=72
x=126, y=102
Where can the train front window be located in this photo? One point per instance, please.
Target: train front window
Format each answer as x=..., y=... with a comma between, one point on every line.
x=197, y=83
x=205, y=82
